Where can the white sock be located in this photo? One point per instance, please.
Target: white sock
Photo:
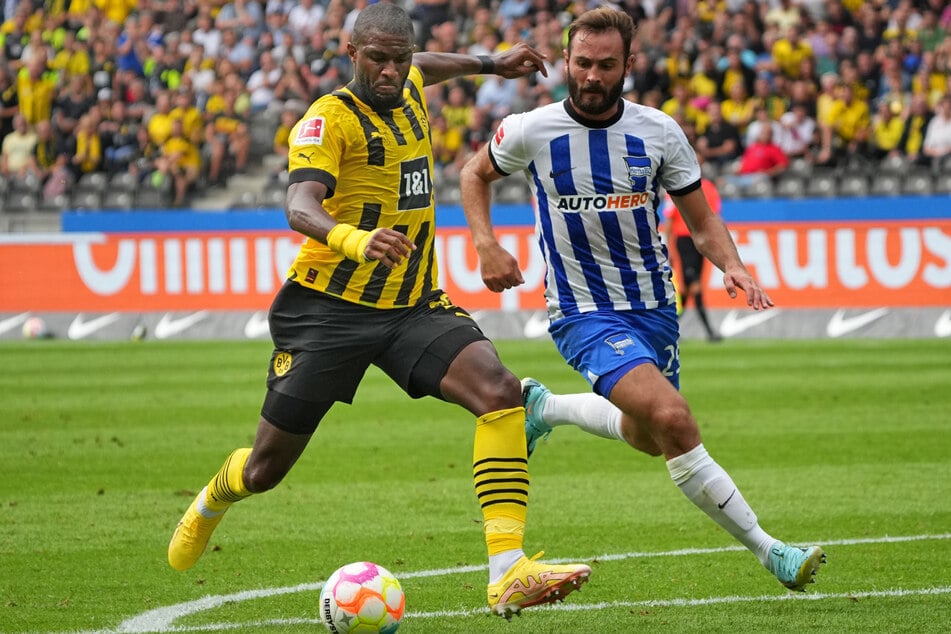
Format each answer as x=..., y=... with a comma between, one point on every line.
x=501, y=563
x=204, y=510
x=591, y=412
x=707, y=485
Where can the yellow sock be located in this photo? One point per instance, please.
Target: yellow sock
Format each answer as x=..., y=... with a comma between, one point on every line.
x=500, y=472
x=227, y=487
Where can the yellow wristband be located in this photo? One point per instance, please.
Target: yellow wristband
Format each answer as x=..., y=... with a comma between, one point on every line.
x=349, y=242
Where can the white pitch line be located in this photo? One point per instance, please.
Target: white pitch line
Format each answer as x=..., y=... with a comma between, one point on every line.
x=161, y=620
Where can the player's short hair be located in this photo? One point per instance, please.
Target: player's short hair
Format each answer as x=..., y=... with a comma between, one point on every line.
x=600, y=20
x=382, y=17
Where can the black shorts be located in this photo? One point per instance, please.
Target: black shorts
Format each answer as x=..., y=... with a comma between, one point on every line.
x=323, y=345
x=691, y=262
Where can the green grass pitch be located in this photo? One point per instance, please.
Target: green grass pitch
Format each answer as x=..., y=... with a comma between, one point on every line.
x=102, y=446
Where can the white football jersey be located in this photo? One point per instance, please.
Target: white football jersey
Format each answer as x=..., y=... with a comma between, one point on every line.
x=598, y=187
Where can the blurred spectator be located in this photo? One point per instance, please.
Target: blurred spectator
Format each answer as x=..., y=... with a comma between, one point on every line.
x=72, y=60
x=291, y=88
x=762, y=119
x=719, y=144
x=118, y=134
x=179, y=161
x=738, y=108
x=783, y=15
x=761, y=159
x=185, y=110
x=206, y=34
x=84, y=146
x=36, y=88
x=281, y=145
x=305, y=18
x=16, y=150
x=15, y=37
x=75, y=101
x=789, y=51
x=243, y=17
x=9, y=101
x=226, y=139
x=160, y=122
x=799, y=132
x=496, y=96
x=50, y=163
x=887, y=129
x=845, y=128
x=262, y=82
x=132, y=47
x=937, y=143
x=916, y=117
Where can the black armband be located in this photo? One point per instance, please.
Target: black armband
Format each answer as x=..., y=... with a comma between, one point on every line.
x=488, y=65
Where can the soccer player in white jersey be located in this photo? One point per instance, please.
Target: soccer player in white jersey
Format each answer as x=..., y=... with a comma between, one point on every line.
x=598, y=167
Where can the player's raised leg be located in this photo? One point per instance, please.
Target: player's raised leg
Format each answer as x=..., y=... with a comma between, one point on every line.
x=500, y=473
x=205, y=512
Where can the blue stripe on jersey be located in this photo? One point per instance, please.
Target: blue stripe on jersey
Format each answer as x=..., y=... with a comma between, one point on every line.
x=590, y=268
x=546, y=241
x=600, y=159
x=561, y=166
x=645, y=235
x=615, y=241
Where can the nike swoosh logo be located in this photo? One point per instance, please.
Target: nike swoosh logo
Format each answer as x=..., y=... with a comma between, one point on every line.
x=13, y=322
x=726, y=501
x=557, y=174
x=536, y=326
x=734, y=323
x=841, y=325
x=169, y=327
x=257, y=326
x=80, y=329
x=942, y=327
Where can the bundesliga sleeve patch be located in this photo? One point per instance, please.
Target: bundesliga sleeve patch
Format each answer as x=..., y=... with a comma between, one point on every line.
x=499, y=134
x=310, y=132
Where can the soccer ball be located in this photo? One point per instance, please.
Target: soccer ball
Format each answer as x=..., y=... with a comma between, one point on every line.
x=362, y=597
x=35, y=328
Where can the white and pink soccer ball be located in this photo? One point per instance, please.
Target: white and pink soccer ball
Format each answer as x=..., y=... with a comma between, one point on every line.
x=362, y=597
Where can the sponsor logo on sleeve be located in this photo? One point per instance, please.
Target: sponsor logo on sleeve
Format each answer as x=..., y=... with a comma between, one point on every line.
x=310, y=132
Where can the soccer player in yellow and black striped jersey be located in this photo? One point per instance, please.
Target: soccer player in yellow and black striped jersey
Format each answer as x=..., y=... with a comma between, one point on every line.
x=363, y=291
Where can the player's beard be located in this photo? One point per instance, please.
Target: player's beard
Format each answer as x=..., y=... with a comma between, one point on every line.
x=594, y=102
x=366, y=92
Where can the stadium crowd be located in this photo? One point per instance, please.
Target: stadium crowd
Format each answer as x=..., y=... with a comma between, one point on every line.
x=185, y=93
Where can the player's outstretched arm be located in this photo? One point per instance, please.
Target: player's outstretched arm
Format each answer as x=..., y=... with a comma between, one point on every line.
x=714, y=242
x=499, y=269
x=517, y=61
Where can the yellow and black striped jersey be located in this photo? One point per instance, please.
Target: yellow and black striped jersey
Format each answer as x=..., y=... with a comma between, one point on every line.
x=378, y=169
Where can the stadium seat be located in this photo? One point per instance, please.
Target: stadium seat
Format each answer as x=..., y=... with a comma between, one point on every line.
x=762, y=188
x=894, y=165
x=853, y=184
x=790, y=186
x=800, y=168
x=917, y=183
x=19, y=202
x=124, y=181
x=149, y=197
x=729, y=190
x=87, y=200
x=512, y=191
x=272, y=197
x=59, y=202
x=886, y=184
x=119, y=199
x=942, y=183
x=27, y=184
x=92, y=182
x=822, y=184
x=244, y=200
